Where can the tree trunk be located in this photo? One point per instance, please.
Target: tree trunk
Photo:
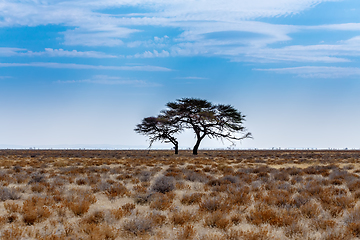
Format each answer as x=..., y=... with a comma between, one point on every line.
x=196, y=147
x=176, y=149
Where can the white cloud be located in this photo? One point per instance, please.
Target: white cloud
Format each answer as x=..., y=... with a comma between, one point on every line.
x=327, y=53
x=49, y=52
x=93, y=28
x=93, y=37
x=7, y=52
x=84, y=66
x=340, y=27
x=317, y=72
x=152, y=54
x=158, y=42
x=111, y=80
x=198, y=21
x=5, y=77
x=192, y=78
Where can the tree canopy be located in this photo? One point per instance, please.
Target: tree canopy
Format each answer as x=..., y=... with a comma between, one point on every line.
x=204, y=118
x=159, y=129
x=207, y=120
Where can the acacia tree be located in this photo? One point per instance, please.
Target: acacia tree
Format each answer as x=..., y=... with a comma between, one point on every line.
x=159, y=129
x=214, y=121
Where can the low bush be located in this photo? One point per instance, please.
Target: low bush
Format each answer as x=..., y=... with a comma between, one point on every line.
x=8, y=194
x=217, y=220
x=34, y=210
x=182, y=217
x=163, y=184
x=160, y=201
x=95, y=217
x=192, y=198
x=116, y=190
x=80, y=204
x=138, y=225
x=214, y=204
x=186, y=232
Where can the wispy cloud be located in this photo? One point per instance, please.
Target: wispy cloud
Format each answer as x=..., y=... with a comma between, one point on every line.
x=317, y=72
x=97, y=37
x=5, y=77
x=84, y=66
x=192, y=78
x=153, y=54
x=49, y=52
x=200, y=23
x=111, y=80
x=93, y=28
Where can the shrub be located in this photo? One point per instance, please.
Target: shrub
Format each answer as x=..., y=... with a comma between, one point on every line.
x=82, y=181
x=186, y=232
x=37, y=178
x=160, y=201
x=236, y=219
x=116, y=190
x=102, y=231
x=138, y=225
x=195, y=176
x=217, y=219
x=248, y=235
x=80, y=205
x=127, y=208
x=182, y=217
x=354, y=185
x=230, y=178
x=139, y=189
x=157, y=218
x=10, y=218
x=240, y=197
x=8, y=194
x=163, y=184
x=12, y=207
x=117, y=213
x=37, y=187
x=192, y=198
x=145, y=176
x=279, y=198
x=354, y=228
x=214, y=204
x=34, y=210
x=94, y=218
x=12, y=233
x=310, y=209
x=294, y=171
x=101, y=186
x=142, y=198
x=264, y=214
x=282, y=176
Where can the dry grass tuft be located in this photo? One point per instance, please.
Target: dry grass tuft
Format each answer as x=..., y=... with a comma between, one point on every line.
x=34, y=210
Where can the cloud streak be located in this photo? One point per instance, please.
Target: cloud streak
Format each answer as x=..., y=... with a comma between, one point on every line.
x=192, y=78
x=199, y=24
x=317, y=72
x=110, y=80
x=49, y=52
x=84, y=66
x=91, y=27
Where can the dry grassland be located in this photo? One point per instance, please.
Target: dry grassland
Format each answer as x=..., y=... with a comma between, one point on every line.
x=157, y=195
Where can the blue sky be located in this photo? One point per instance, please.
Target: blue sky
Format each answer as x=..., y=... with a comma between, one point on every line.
x=84, y=73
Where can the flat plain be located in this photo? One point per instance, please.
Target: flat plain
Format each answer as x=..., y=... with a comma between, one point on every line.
x=134, y=194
